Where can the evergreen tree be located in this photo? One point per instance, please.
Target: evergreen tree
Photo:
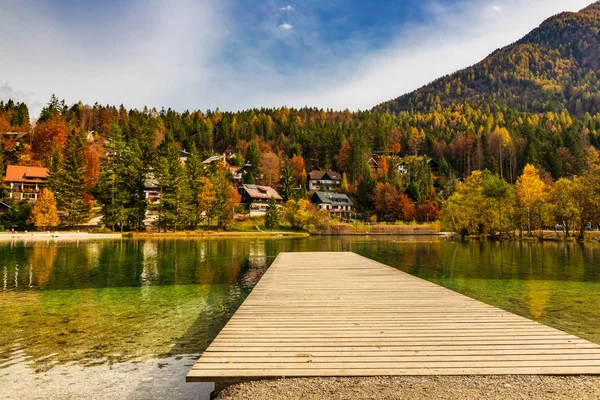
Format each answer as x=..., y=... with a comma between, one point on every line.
x=195, y=172
x=272, y=215
x=226, y=199
x=253, y=158
x=287, y=183
x=54, y=171
x=70, y=181
x=111, y=186
x=170, y=176
x=136, y=172
x=3, y=188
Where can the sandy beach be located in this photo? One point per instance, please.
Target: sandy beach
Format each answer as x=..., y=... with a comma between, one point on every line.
x=417, y=388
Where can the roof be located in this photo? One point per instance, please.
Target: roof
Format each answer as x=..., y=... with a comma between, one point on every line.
x=25, y=173
x=335, y=199
x=213, y=159
x=332, y=175
x=373, y=161
x=184, y=154
x=261, y=192
x=150, y=184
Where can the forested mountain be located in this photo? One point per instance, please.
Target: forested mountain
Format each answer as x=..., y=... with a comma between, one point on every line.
x=556, y=67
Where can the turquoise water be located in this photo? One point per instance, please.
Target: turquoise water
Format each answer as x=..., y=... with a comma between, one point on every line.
x=121, y=301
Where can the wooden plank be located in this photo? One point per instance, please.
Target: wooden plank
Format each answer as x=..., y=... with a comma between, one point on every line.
x=340, y=314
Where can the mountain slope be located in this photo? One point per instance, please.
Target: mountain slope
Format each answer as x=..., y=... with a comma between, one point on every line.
x=556, y=66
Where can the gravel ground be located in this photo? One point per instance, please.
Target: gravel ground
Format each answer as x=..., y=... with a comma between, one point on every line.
x=430, y=387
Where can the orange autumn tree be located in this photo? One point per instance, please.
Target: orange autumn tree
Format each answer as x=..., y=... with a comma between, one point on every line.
x=92, y=168
x=406, y=207
x=46, y=136
x=384, y=168
x=298, y=169
x=344, y=156
x=385, y=198
x=269, y=168
x=394, y=141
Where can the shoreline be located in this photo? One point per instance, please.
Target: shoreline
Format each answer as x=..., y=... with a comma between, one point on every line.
x=216, y=234
x=24, y=236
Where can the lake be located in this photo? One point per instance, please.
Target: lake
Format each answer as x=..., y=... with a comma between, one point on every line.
x=127, y=318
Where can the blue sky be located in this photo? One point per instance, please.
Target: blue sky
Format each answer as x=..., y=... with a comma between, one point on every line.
x=236, y=54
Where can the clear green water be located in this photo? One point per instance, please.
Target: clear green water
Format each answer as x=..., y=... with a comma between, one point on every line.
x=114, y=301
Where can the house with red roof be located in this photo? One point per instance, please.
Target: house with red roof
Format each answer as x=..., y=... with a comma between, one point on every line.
x=25, y=182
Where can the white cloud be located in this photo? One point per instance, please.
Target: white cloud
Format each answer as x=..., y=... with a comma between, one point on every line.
x=145, y=58
x=286, y=8
x=453, y=38
x=142, y=59
x=497, y=8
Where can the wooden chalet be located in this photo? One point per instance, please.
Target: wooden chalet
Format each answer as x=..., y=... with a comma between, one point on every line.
x=255, y=198
x=324, y=181
x=25, y=182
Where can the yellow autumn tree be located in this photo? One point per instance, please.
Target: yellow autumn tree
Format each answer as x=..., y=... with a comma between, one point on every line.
x=44, y=213
x=531, y=193
x=206, y=197
x=344, y=186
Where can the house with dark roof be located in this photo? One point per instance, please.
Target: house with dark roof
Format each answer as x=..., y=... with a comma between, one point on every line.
x=152, y=190
x=238, y=173
x=373, y=164
x=183, y=156
x=335, y=203
x=324, y=181
x=256, y=198
x=434, y=166
x=25, y=182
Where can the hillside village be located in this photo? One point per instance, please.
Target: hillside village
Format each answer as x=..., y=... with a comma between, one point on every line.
x=326, y=190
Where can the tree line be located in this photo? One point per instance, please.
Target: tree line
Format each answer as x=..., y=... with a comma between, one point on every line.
x=103, y=154
x=488, y=205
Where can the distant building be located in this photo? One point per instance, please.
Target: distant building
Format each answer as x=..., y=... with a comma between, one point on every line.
x=256, y=198
x=238, y=173
x=402, y=168
x=373, y=164
x=152, y=190
x=218, y=159
x=335, y=203
x=412, y=196
x=434, y=166
x=25, y=182
x=183, y=156
x=324, y=181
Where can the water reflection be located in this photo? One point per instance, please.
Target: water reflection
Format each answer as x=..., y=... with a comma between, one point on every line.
x=118, y=300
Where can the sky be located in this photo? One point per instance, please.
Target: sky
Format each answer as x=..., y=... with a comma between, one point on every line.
x=240, y=54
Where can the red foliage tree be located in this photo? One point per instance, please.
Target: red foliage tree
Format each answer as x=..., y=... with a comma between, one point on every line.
x=46, y=136
x=406, y=207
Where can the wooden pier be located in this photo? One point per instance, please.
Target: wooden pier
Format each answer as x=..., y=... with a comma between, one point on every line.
x=341, y=314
